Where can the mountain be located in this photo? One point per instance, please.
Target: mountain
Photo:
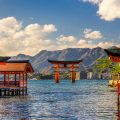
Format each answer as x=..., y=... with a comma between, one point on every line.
x=4, y=58
x=20, y=57
x=40, y=60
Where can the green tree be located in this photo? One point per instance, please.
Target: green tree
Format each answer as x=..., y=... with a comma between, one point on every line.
x=115, y=71
x=103, y=64
x=106, y=65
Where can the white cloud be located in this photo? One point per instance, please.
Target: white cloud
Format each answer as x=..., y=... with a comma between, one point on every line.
x=49, y=28
x=105, y=44
x=63, y=38
x=93, y=35
x=92, y=1
x=108, y=10
x=88, y=44
x=14, y=38
x=63, y=42
x=82, y=43
x=9, y=26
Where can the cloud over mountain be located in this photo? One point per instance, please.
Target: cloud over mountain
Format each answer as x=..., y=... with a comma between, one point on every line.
x=16, y=38
x=93, y=35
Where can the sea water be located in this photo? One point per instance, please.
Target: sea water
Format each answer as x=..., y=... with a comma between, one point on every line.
x=46, y=100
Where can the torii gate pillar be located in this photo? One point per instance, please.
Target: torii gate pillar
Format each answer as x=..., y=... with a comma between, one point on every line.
x=57, y=73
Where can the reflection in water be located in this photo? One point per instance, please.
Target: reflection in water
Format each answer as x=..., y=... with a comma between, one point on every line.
x=85, y=100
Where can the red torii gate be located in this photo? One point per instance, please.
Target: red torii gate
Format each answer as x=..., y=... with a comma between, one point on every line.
x=71, y=64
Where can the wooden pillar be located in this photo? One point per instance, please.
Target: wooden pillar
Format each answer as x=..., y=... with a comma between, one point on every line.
x=8, y=79
x=23, y=83
x=19, y=84
x=73, y=74
x=57, y=76
x=118, y=88
x=19, y=79
x=4, y=78
x=5, y=91
x=26, y=81
x=23, y=80
x=15, y=80
x=57, y=73
x=0, y=92
x=12, y=92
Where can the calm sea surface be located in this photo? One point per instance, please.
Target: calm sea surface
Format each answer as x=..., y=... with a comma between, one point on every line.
x=84, y=100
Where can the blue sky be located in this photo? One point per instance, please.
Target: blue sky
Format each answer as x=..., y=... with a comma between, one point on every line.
x=70, y=17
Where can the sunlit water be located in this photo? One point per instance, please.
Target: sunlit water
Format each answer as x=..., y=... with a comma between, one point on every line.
x=84, y=100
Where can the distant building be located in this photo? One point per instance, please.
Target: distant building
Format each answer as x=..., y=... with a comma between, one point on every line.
x=99, y=76
x=89, y=75
x=77, y=76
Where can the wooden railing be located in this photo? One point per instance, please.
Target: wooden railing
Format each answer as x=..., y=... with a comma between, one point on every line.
x=20, y=83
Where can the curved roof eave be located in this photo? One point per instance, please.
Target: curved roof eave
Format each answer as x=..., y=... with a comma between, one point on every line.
x=65, y=61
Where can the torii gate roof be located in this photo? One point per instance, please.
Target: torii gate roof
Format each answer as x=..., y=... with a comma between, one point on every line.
x=65, y=61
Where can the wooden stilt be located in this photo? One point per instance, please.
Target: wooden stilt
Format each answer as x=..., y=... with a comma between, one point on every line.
x=12, y=92
x=19, y=91
x=4, y=92
x=8, y=92
x=15, y=80
x=0, y=92
x=16, y=91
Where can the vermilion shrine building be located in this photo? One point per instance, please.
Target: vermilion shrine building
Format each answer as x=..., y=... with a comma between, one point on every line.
x=114, y=54
x=13, y=77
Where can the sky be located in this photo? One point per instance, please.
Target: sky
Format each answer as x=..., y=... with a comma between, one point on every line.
x=29, y=26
